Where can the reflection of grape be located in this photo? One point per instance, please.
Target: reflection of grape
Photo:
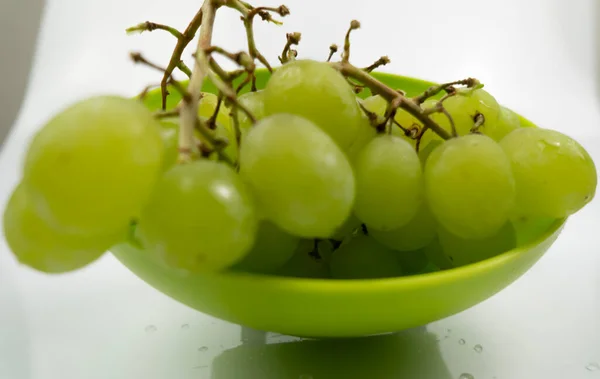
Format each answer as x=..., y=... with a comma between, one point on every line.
x=300, y=178
x=470, y=186
x=555, y=176
x=389, y=183
x=418, y=233
x=462, y=251
x=364, y=258
x=317, y=92
x=38, y=245
x=271, y=250
x=199, y=218
x=92, y=167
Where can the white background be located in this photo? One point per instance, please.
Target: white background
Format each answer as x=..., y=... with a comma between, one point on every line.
x=537, y=56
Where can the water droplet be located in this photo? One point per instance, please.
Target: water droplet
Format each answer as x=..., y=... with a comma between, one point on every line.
x=461, y=342
x=185, y=326
x=151, y=329
x=478, y=348
x=466, y=376
x=203, y=349
x=593, y=366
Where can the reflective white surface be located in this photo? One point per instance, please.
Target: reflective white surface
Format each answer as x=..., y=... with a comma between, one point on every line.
x=537, y=56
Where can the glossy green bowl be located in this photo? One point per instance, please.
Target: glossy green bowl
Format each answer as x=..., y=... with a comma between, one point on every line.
x=339, y=308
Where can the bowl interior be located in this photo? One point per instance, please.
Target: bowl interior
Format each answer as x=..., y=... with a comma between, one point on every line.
x=338, y=308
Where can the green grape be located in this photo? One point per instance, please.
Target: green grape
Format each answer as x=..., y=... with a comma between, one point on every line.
x=304, y=265
x=466, y=251
x=199, y=218
x=39, y=245
x=378, y=105
x=346, y=229
x=364, y=258
x=207, y=106
x=301, y=180
x=413, y=262
x=426, y=152
x=530, y=229
x=366, y=133
x=225, y=132
x=317, y=92
x=255, y=103
x=418, y=233
x=555, y=176
x=469, y=185
x=170, y=136
x=436, y=255
x=389, y=183
x=463, y=123
x=271, y=250
x=507, y=122
x=91, y=168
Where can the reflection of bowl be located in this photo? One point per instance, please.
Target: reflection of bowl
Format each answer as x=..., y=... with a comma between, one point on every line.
x=339, y=308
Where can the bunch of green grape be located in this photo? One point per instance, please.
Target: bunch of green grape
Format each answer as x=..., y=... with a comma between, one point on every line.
x=315, y=189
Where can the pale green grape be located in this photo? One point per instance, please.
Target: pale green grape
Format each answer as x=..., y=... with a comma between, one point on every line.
x=466, y=251
x=530, y=229
x=317, y=92
x=426, y=152
x=301, y=179
x=418, y=233
x=436, y=255
x=378, y=105
x=39, y=245
x=255, y=103
x=225, y=132
x=199, y=218
x=413, y=262
x=366, y=133
x=207, y=106
x=389, y=183
x=470, y=186
x=507, y=122
x=555, y=176
x=346, y=229
x=92, y=167
x=271, y=250
x=304, y=265
x=364, y=258
x=170, y=136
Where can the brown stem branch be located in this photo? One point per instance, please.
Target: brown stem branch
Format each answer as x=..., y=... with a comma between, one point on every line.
x=291, y=39
x=378, y=63
x=151, y=26
x=332, y=50
x=354, y=24
x=448, y=87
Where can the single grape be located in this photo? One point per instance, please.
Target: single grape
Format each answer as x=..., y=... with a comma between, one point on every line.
x=271, y=250
x=92, y=167
x=466, y=251
x=301, y=179
x=436, y=255
x=470, y=186
x=364, y=258
x=426, y=152
x=366, y=133
x=199, y=218
x=170, y=136
x=389, y=183
x=228, y=134
x=507, y=122
x=554, y=174
x=418, y=233
x=37, y=244
x=346, y=229
x=305, y=265
x=413, y=262
x=378, y=105
x=530, y=229
x=207, y=106
x=317, y=92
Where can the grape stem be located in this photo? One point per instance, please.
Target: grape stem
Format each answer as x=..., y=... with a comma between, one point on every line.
x=291, y=39
x=189, y=109
x=166, y=114
x=378, y=63
x=448, y=87
x=479, y=121
x=151, y=26
x=332, y=50
x=396, y=99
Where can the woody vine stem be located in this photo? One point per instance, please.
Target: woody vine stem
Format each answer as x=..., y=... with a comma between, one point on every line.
x=205, y=67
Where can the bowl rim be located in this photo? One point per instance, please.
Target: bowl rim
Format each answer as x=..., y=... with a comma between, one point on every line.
x=354, y=285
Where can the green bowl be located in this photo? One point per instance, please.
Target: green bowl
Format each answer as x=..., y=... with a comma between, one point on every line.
x=338, y=308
